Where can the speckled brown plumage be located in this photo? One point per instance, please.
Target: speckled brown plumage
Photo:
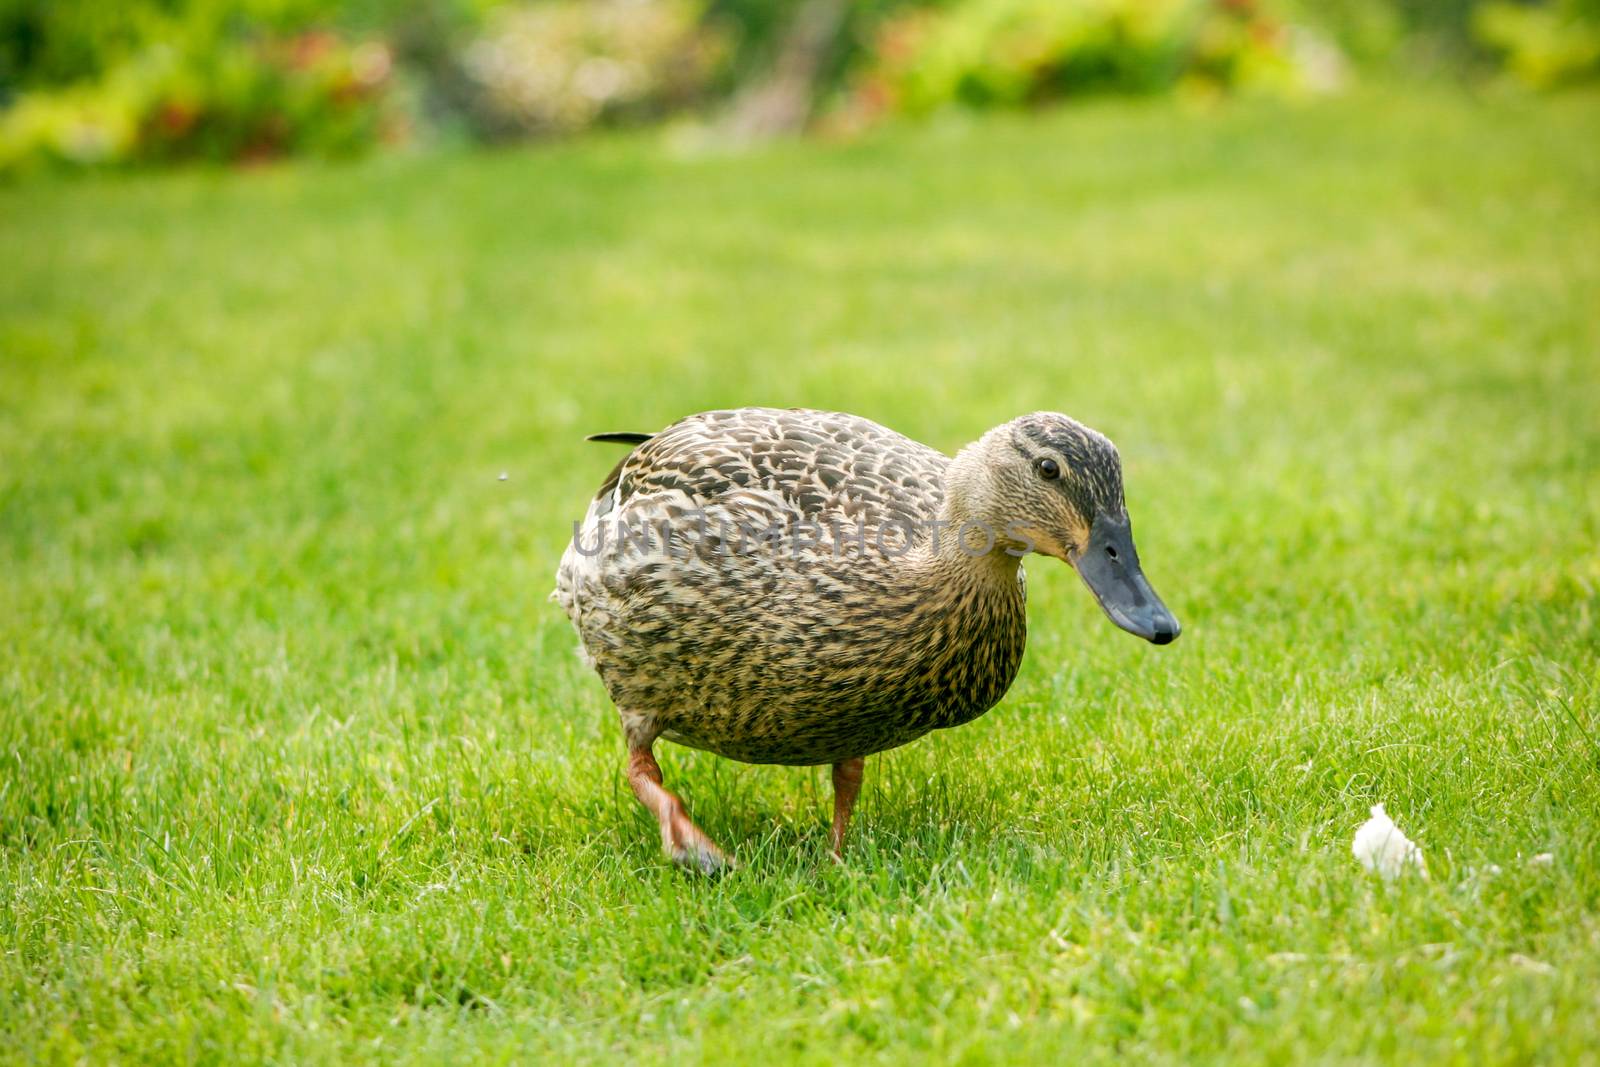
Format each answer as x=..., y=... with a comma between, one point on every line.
x=784, y=651
x=771, y=656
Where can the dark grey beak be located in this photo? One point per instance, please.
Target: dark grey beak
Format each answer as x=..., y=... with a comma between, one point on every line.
x=1109, y=566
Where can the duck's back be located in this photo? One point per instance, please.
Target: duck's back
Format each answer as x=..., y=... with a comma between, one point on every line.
x=793, y=650
x=822, y=465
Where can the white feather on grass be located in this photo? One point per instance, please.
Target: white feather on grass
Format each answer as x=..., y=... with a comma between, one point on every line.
x=1381, y=847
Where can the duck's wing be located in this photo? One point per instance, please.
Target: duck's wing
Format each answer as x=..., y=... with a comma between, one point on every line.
x=819, y=465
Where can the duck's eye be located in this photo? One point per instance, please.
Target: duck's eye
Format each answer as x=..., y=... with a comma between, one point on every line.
x=1049, y=470
x=1111, y=552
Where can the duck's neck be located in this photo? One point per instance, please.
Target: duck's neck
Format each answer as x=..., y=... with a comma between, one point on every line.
x=966, y=619
x=973, y=541
x=989, y=576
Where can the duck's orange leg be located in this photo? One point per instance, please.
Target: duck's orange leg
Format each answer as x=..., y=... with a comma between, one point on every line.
x=846, y=787
x=681, y=839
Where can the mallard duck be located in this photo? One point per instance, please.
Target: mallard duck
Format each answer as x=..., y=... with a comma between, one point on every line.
x=809, y=587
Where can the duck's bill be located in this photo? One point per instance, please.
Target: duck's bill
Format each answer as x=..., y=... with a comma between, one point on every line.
x=1109, y=566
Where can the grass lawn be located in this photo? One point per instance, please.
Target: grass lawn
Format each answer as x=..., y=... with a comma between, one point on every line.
x=299, y=764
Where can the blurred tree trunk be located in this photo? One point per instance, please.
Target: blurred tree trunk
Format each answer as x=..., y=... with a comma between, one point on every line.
x=781, y=101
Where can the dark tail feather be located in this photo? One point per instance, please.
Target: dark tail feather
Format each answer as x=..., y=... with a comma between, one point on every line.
x=620, y=438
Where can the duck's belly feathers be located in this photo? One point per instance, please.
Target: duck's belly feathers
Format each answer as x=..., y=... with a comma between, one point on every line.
x=769, y=664
x=769, y=652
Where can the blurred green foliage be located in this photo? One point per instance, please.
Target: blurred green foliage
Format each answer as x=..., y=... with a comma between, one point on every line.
x=1440, y=26
x=85, y=82
x=211, y=97
x=90, y=83
x=1547, y=45
x=46, y=43
x=988, y=53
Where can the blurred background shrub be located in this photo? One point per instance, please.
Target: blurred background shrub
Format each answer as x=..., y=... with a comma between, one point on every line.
x=97, y=83
x=563, y=65
x=1012, y=53
x=1546, y=45
x=143, y=81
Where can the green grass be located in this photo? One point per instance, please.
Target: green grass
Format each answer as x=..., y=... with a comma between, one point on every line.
x=297, y=763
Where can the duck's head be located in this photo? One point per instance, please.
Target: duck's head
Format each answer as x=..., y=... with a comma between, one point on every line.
x=1048, y=484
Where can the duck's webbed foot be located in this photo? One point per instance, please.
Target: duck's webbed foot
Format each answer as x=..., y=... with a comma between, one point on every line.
x=846, y=786
x=684, y=842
